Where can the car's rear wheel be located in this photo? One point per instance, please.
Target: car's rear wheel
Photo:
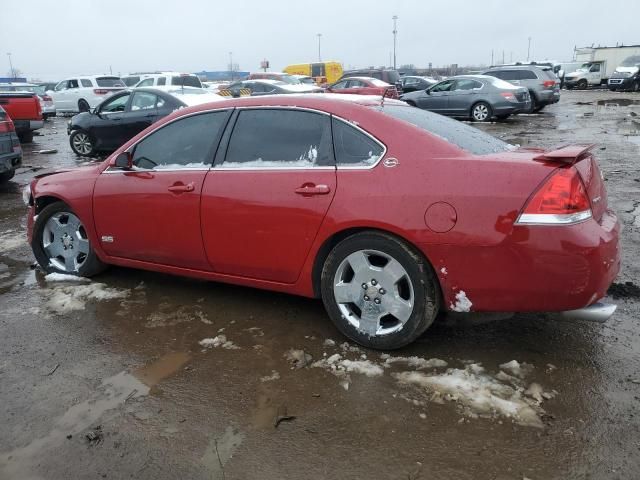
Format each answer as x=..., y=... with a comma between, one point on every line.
x=83, y=105
x=81, y=143
x=26, y=137
x=60, y=243
x=481, y=112
x=6, y=176
x=583, y=84
x=378, y=291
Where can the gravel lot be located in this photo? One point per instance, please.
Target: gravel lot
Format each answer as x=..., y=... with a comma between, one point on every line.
x=108, y=379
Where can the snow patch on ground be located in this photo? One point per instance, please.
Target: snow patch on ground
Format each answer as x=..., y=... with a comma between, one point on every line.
x=463, y=304
x=168, y=314
x=479, y=394
x=218, y=341
x=418, y=363
x=69, y=298
x=10, y=240
x=269, y=378
x=64, y=277
x=517, y=369
x=298, y=358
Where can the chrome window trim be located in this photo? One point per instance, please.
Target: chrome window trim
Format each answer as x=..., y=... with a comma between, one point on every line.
x=112, y=170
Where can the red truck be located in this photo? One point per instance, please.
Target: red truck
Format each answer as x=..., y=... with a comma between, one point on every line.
x=25, y=111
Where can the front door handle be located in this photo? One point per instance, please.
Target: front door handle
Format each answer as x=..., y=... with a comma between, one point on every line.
x=312, y=189
x=181, y=188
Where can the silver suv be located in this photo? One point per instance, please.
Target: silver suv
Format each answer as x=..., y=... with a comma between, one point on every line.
x=542, y=83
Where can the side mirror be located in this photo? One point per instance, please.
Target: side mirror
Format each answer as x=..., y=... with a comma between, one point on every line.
x=428, y=91
x=124, y=161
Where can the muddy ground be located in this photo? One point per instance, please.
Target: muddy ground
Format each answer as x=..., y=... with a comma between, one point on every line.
x=108, y=379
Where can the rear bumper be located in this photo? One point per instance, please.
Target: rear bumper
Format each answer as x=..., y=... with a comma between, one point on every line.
x=28, y=125
x=534, y=269
x=548, y=97
x=509, y=108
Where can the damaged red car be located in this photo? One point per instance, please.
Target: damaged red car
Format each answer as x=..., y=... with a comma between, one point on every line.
x=389, y=213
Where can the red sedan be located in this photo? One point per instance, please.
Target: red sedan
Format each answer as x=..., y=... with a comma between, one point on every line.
x=389, y=213
x=364, y=86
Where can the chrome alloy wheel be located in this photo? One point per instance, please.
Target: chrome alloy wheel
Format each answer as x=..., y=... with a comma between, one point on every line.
x=82, y=143
x=480, y=112
x=373, y=292
x=65, y=242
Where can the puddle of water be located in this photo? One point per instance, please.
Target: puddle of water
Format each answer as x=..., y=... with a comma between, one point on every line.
x=220, y=450
x=166, y=366
x=113, y=392
x=618, y=102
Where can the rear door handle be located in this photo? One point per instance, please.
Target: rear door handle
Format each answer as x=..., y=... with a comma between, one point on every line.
x=181, y=188
x=312, y=189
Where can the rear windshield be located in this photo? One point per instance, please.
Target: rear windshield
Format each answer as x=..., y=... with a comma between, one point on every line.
x=130, y=81
x=186, y=81
x=498, y=83
x=453, y=131
x=548, y=72
x=379, y=83
x=392, y=76
x=109, y=82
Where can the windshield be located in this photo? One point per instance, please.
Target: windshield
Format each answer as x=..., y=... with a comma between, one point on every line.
x=453, y=131
x=109, y=82
x=632, y=61
x=290, y=80
x=189, y=91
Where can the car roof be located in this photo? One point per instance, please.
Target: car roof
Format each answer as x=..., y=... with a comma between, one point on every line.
x=519, y=67
x=362, y=78
x=268, y=81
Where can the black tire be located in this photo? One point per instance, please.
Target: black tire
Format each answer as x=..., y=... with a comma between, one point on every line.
x=567, y=87
x=636, y=86
x=82, y=143
x=83, y=105
x=91, y=264
x=534, y=102
x=502, y=117
x=583, y=84
x=6, y=176
x=539, y=108
x=26, y=137
x=426, y=290
x=485, y=117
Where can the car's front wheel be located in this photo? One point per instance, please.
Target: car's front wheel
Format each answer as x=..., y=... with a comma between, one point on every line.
x=583, y=84
x=81, y=143
x=378, y=291
x=60, y=243
x=481, y=112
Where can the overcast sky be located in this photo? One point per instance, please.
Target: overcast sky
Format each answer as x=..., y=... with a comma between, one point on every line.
x=51, y=40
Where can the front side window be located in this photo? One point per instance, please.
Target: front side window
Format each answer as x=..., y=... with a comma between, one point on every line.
x=72, y=84
x=162, y=81
x=353, y=147
x=143, y=101
x=86, y=83
x=278, y=138
x=443, y=86
x=467, y=85
x=115, y=105
x=342, y=84
x=185, y=143
x=61, y=86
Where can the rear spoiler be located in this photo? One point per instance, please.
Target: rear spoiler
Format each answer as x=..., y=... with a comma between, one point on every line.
x=568, y=154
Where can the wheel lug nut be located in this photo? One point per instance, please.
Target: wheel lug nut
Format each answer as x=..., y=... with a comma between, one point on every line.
x=373, y=281
x=382, y=291
x=366, y=298
x=377, y=301
x=364, y=286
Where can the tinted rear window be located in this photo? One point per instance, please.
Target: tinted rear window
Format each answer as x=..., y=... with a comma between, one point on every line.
x=109, y=82
x=186, y=81
x=459, y=134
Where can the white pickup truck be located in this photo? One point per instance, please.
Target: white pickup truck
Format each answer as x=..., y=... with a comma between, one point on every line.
x=598, y=65
x=82, y=93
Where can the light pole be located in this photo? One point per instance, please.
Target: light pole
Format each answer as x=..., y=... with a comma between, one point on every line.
x=11, y=65
x=319, y=38
x=231, y=64
x=395, y=34
x=529, y=49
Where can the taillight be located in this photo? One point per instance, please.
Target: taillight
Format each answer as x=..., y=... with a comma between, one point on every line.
x=549, y=83
x=562, y=199
x=7, y=126
x=100, y=91
x=509, y=96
